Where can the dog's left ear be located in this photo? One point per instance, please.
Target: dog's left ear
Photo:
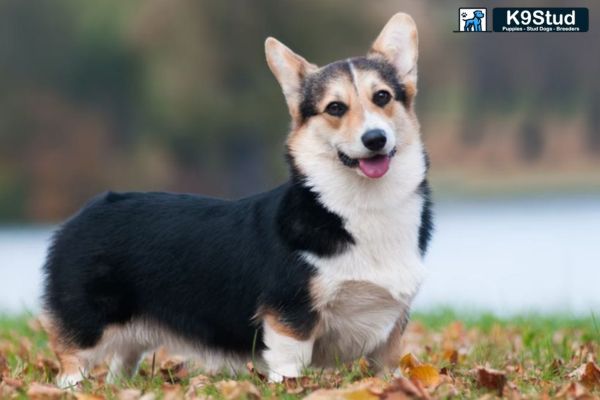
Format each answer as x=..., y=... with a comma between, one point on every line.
x=398, y=43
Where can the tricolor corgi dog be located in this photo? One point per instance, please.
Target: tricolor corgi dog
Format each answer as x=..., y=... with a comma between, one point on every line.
x=317, y=271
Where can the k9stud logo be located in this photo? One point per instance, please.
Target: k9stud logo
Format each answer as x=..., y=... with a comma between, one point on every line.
x=472, y=19
x=541, y=19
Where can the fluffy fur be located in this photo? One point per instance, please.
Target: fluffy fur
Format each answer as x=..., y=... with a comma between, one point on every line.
x=321, y=269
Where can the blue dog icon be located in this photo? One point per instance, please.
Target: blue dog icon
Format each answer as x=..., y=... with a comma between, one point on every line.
x=474, y=24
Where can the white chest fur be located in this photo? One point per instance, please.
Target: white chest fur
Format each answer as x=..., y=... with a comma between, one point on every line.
x=383, y=267
x=366, y=289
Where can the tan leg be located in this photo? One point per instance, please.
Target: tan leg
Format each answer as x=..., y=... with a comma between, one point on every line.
x=287, y=351
x=74, y=365
x=124, y=363
x=386, y=358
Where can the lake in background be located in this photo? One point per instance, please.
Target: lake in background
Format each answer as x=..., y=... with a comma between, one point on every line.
x=507, y=256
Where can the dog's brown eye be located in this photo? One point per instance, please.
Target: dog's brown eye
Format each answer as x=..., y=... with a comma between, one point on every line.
x=382, y=97
x=336, y=108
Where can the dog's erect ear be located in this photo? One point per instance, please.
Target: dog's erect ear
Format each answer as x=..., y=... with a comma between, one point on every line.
x=290, y=69
x=398, y=43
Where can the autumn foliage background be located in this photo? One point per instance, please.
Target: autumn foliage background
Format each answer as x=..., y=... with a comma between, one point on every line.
x=176, y=95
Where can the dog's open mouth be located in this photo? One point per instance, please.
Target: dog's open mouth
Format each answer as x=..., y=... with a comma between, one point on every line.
x=373, y=167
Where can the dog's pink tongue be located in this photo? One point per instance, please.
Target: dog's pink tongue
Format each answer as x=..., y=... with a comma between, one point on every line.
x=374, y=167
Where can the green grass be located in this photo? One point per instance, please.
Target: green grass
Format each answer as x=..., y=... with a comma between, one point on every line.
x=536, y=353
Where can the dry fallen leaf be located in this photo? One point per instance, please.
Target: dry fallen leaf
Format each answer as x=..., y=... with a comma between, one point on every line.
x=3, y=365
x=450, y=355
x=342, y=394
x=491, y=379
x=87, y=396
x=232, y=390
x=408, y=362
x=198, y=382
x=129, y=394
x=253, y=371
x=172, y=392
x=405, y=387
x=174, y=370
x=556, y=366
x=7, y=392
x=15, y=383
x=426, y=374
x=364, y=365
x=40, y=391
x=572, y=390
x=446, y=390
x=588, y=374
x=366, y=389
x=47, y=365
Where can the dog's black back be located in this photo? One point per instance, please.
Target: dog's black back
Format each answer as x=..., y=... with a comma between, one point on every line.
x=201, y=266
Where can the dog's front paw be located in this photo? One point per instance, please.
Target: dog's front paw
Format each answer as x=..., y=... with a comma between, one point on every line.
x=69, y=381
x=277, y=375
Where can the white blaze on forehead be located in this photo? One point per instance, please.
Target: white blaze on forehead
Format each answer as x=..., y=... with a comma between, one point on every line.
x=372, y=120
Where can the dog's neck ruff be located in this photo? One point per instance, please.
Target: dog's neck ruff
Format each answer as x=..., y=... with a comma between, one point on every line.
x=381, y=216
x=342, y=191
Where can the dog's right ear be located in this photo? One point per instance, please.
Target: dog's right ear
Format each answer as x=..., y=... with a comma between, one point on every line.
x=290, y=69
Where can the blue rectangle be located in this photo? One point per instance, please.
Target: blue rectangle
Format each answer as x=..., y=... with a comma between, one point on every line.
x=541, y=19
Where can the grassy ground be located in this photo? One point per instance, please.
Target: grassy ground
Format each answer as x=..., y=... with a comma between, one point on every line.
x=447, y=355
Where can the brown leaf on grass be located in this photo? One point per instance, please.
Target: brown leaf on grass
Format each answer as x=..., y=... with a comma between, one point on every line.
x=511, y=391
x=573, y=390
x=7, y=392
x=364, y=366
x=291, y=389
x=25, y=347
x=3, y=366
x=425, y=374
x=88, y=396
x=12, y=382
x=366, y=389
x=172, y=392
x=35, y=325
x=405, y=387
x=47, y=365
x=40, y=391
x=129, y=394
x=408, y=362
x=173, y=370
x=232, y=390
x=491, y=379
x=253, y=371
x=198, y=382
x=342, y=394
x=556, y=366
x=588, y=374
x=446, y=390
x=450, y=355
x=293, y=385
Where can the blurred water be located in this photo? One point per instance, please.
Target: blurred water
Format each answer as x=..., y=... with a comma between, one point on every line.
x=502, y=256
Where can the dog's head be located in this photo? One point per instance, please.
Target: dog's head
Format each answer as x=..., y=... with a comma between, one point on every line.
x=478, y=14
x=356, y=113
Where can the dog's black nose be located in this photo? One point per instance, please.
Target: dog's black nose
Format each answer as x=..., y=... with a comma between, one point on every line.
x=374, y=139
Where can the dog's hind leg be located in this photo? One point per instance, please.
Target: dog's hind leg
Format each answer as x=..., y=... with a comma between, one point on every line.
x=124, y=364
x=75, y=363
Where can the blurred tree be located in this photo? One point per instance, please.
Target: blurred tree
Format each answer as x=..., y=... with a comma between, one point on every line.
x=176, y=95
x=531, y=140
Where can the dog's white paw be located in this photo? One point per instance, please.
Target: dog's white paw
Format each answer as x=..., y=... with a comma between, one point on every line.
x=277, y=375
x=69, y=381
